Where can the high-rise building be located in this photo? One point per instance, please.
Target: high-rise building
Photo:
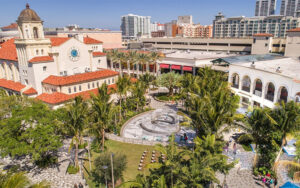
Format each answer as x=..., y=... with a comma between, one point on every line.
x=247, y=27
x=290, y=7
x=185, y=19
x=265, y=7
x=195, y=30
x=134, y=25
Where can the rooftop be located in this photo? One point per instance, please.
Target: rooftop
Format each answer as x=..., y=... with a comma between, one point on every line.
x=284, y=66
x=8, y=50
x=77, y=78
x=195, y=55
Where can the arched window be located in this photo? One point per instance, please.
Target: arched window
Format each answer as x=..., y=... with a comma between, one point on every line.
x=35, y=33
x=270, y=92
x=75, y=90
x=42, y=52
x=37, y=52
x=283, y=95
x=297, y=98
x=235, y=80
x=70, y=90
x=258, y=88
x=246, y=83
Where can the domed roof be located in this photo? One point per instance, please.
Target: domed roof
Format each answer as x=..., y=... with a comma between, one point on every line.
x=28, y=15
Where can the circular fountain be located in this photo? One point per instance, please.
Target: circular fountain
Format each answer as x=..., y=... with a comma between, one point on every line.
x=157, y=125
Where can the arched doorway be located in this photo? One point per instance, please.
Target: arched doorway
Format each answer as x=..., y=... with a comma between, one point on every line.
x=270, y=92
x=283, y=95
x=246, y=84
x=235, y=81
x=258, y=88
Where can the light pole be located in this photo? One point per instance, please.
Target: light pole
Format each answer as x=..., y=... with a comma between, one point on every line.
x=112, y=170
x=105, y=167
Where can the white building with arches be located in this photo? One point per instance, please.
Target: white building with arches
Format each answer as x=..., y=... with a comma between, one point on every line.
x=264, y=80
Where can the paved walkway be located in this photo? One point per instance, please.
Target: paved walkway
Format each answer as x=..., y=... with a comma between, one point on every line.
x=56, y=176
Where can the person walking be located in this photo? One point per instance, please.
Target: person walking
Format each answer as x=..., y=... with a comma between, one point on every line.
x=75, y=185
x=80, y=185
x=275, y=183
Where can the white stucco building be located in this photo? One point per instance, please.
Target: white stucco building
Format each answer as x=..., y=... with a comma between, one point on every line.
x=264, y=80
x=52, y=69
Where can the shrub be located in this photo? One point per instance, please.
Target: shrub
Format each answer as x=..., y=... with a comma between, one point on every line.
x=72, y=169
x=46, y=161
x=163, y=98
x=245, y=139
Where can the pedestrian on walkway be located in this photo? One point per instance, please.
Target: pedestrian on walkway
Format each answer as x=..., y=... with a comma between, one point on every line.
x=275, y=183
x=80, y=185
x=75, y=185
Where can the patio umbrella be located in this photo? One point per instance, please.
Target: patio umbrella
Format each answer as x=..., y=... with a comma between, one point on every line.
x=289, y=185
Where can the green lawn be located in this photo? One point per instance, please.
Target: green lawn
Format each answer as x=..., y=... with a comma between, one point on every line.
x=133, y=153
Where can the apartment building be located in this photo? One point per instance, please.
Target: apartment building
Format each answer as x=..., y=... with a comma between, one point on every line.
x=134, y=25
x=290, y=8
x=247, y=27
x=265, y=7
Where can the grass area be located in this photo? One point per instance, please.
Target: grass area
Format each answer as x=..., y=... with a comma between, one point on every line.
x=133, y=153
x=246, y=147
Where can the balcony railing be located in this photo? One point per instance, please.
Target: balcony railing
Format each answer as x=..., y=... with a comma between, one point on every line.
x=270, y=97
x=245, y=88
x=257, y=93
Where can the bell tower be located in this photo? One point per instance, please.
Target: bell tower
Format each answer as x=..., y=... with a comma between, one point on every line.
x=31, y=43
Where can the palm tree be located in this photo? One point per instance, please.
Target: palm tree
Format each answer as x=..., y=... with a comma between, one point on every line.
x=138, y=91
x=76, y=116
x=170, y=80
x=122, y=87
x=143, y=60
x=42, y=184
x=140, y=182
x=154, y=57
x=287, y=116
x=18, y=180
x=113, y=56
x=132, y=59
x=102, y=113
x=147, y=79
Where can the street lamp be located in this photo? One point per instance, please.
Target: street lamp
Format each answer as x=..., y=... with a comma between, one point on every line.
x=105, y=167
x=112, y=170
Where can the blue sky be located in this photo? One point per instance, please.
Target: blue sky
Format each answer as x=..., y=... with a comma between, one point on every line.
x=107, y=13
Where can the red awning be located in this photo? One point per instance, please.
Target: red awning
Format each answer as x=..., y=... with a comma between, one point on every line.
x=164, y=66
x=186, y=68
x=176, y=67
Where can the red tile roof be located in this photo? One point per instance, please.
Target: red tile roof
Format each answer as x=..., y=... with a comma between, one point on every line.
x=263, y=35
x=66, y=80
x=88, y=40
x=9, y=84
x=41, y=59
x=8, y=50
x=30, y=91
x=54, y=98
x=58, y=98
x=11, y=26
x=96, y=54
x=294, y=30
x=57, y=41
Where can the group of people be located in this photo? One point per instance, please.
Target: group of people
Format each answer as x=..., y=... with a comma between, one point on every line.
x=78, y=186
x=268, y=181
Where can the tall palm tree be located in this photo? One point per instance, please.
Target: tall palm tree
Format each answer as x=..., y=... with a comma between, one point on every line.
x=143, y=60
x=138, y=91
x=113, y=56
x=132, y=59
x=122, y=88
x=154, y=57
x=76, y=119
x=170, y=80
x=102, y=113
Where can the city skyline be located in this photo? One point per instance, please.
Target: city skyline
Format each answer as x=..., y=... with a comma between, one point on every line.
x=109, y=18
